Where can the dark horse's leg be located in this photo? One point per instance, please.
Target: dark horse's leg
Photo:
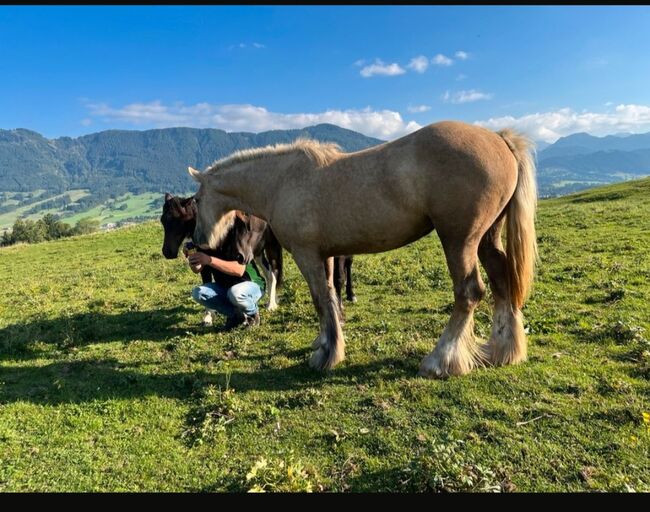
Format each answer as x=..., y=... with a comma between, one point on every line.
x=273, y=254
x=507, y=344
x=339, y=276
x=329, y=346
x=265, y=266
x=348, y=279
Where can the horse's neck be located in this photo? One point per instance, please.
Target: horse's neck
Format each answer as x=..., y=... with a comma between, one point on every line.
x=190, y=222
x=190, y=226
x=252, y=185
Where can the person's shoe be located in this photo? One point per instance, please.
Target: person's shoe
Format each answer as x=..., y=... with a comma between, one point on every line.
x=252, y=321
x=234, y=321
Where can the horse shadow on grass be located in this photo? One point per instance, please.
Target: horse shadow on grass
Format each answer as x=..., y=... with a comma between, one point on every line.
x=20, y=341
x=108, y=379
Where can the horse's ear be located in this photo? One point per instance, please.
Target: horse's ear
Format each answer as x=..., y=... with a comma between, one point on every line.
x=243, y=216
x=168, y=196
x=196, y=175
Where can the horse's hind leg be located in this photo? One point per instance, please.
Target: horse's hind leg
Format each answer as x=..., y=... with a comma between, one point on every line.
x=348, y=279
x=329, y=346
x=457, y=351
x=507, y=344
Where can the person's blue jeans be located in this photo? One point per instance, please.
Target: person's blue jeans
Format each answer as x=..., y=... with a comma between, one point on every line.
x=241, y=298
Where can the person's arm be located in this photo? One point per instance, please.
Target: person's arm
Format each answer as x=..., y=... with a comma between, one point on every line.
x=232, y=268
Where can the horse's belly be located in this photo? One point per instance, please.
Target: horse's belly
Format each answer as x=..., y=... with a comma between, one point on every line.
x=385, y=239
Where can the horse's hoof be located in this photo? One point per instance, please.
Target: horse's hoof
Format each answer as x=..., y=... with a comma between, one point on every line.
x=494, y=355
x=353, y=298
x=272, y=307
x=319, y=358
x=432, y=367
x=430, y=370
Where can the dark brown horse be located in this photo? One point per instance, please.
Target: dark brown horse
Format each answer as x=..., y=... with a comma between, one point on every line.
x=255, y=241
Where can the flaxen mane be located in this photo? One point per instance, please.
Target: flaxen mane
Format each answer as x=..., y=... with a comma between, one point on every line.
x=322, y=153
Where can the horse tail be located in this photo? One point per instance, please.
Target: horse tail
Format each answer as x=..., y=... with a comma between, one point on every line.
x=521, y=247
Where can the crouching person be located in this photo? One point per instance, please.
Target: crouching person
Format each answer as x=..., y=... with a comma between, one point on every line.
x=235, y=292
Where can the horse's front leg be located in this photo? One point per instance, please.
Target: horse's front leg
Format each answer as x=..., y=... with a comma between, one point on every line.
x=329, y=346
x=271, y=281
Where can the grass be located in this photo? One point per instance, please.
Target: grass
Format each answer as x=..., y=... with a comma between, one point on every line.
x=107, y=383
x=7, y=219
x=136, y=205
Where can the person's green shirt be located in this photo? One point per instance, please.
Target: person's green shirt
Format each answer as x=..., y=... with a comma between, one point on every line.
x=254, y=275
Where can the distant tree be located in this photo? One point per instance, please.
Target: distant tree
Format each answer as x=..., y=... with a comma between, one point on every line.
x=29, y=231
x=85, y=226
x=54, y=228
x=7, y=238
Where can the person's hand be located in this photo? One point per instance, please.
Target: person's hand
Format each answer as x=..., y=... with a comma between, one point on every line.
x=198, y=259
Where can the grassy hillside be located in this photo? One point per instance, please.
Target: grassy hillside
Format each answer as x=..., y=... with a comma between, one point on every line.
x=107, y=383
x=7, y=219
x=125, y=207
x=122, y=208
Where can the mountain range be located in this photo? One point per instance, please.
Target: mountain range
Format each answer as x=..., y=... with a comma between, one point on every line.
x=37, y=173
x=136, y=161
x=581, y=160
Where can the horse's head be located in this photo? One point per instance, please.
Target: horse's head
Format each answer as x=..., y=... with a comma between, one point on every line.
x=213, y=219
x=247, y=236
x=178, y=220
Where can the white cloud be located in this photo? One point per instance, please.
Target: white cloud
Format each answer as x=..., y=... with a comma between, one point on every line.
x=465, y=96
x=379, y=68
x=86, y=122
x=360, y=62
x=549, y=126
x=419, y=64
x=383, y=124
x=442, y=60
x=418, y=108
x=461, y=77
x=247, y=45
x=461, y=55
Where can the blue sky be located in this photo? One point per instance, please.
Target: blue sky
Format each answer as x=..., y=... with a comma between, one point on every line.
x=381, y=70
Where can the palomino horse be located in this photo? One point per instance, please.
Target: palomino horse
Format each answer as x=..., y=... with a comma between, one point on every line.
x=464, y=181
x=254, y=240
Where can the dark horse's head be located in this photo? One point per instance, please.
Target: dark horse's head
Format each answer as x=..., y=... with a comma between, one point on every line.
x=179, y=220
x=248, y=232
